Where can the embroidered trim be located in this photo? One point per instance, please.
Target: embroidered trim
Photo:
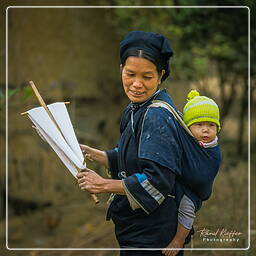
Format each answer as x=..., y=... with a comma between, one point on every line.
x=133, y=202
x=156, y=194
x=141, y=177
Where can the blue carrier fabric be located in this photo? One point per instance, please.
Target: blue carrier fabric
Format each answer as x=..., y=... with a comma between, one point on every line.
x=197, y=167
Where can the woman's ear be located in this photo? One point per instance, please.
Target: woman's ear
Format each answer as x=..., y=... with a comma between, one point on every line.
x=121, y=68
x=160, y=78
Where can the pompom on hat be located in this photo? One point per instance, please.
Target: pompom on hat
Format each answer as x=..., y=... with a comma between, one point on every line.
x=200, y=109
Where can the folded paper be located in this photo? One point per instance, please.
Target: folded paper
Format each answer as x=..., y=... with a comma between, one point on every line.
x=61, y=138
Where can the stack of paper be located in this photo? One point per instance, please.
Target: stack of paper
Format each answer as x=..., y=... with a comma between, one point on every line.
x=63, y=142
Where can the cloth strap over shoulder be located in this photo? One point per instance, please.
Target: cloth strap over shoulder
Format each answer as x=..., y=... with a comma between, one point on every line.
x=160, y=103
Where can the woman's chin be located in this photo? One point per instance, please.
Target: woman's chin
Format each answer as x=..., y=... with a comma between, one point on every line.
x=137, y=99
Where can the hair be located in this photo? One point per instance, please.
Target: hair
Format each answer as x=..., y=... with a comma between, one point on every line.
x=145, y=55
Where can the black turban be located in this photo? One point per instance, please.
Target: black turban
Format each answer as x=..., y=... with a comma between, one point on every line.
x=154, y=45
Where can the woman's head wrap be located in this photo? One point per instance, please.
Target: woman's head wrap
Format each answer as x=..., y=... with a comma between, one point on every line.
x=154, y=45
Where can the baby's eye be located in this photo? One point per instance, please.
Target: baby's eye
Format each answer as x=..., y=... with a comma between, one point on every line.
x=212, y=124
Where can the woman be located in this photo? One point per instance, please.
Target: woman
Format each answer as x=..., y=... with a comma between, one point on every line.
x=144, y=164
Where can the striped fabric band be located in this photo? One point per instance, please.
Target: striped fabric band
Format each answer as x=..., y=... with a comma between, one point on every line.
x=201, y=117
x=205, y=102
x=156, y=194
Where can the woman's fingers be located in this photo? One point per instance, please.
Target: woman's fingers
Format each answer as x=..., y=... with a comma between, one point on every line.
x=83, y=147
x=86, y=150
x=88, y=156
x=82, y=181
x=91, y=181
x=86, y=179
x=165, y=252
x=170, y=252
x=80, y=175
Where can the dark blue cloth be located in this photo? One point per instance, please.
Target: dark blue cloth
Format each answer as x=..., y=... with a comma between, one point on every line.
x=155, y=149
x=156, y=226
x=153, y=44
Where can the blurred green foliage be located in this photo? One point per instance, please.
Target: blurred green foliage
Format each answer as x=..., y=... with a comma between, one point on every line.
x=3, y=96
x=25, y=92
x=219, y=34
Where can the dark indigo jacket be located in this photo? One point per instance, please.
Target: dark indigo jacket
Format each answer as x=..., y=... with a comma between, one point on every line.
x=150, y=153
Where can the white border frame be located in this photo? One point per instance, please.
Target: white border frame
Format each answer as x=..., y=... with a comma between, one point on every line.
x=118, y=249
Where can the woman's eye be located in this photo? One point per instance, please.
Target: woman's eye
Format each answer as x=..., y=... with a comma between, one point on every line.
x=130, y=74
x=147, y=77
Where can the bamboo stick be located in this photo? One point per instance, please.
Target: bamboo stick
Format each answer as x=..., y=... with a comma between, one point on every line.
x=42, y=103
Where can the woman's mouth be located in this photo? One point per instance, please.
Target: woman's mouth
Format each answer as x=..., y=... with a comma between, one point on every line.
x=136, y=94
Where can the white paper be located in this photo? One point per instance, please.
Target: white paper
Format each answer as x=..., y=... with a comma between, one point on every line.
x=64, y=143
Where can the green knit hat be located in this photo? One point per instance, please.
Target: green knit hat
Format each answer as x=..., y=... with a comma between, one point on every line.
x=200, y=109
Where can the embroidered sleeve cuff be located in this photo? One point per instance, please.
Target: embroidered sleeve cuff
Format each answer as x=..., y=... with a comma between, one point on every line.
x=133, y=203
x=142, y=193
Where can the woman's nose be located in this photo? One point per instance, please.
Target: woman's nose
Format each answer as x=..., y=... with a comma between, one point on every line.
x=137, y=83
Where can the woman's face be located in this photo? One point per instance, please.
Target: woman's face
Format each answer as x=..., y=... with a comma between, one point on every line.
x=140, y=79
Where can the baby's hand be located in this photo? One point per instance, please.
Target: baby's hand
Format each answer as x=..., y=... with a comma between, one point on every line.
x=175, y=243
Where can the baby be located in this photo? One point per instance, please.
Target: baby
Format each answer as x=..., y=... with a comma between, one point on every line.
x=201, y=116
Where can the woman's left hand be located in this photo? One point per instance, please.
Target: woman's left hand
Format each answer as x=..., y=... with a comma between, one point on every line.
x=89, y=180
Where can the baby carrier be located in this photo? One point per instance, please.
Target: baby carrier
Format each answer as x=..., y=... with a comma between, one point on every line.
x=199, y=166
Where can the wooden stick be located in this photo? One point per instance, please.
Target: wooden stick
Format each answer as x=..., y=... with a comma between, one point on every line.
x=24, y=113
x=95, y=198
x=42, y=103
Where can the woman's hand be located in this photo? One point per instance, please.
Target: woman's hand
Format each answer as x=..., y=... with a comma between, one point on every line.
x=91, y=181
x=93, y=154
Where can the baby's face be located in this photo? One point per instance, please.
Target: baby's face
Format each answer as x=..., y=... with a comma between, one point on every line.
x=204, y=131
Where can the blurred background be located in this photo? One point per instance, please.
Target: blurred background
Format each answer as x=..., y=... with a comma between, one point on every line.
x=71, y=54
